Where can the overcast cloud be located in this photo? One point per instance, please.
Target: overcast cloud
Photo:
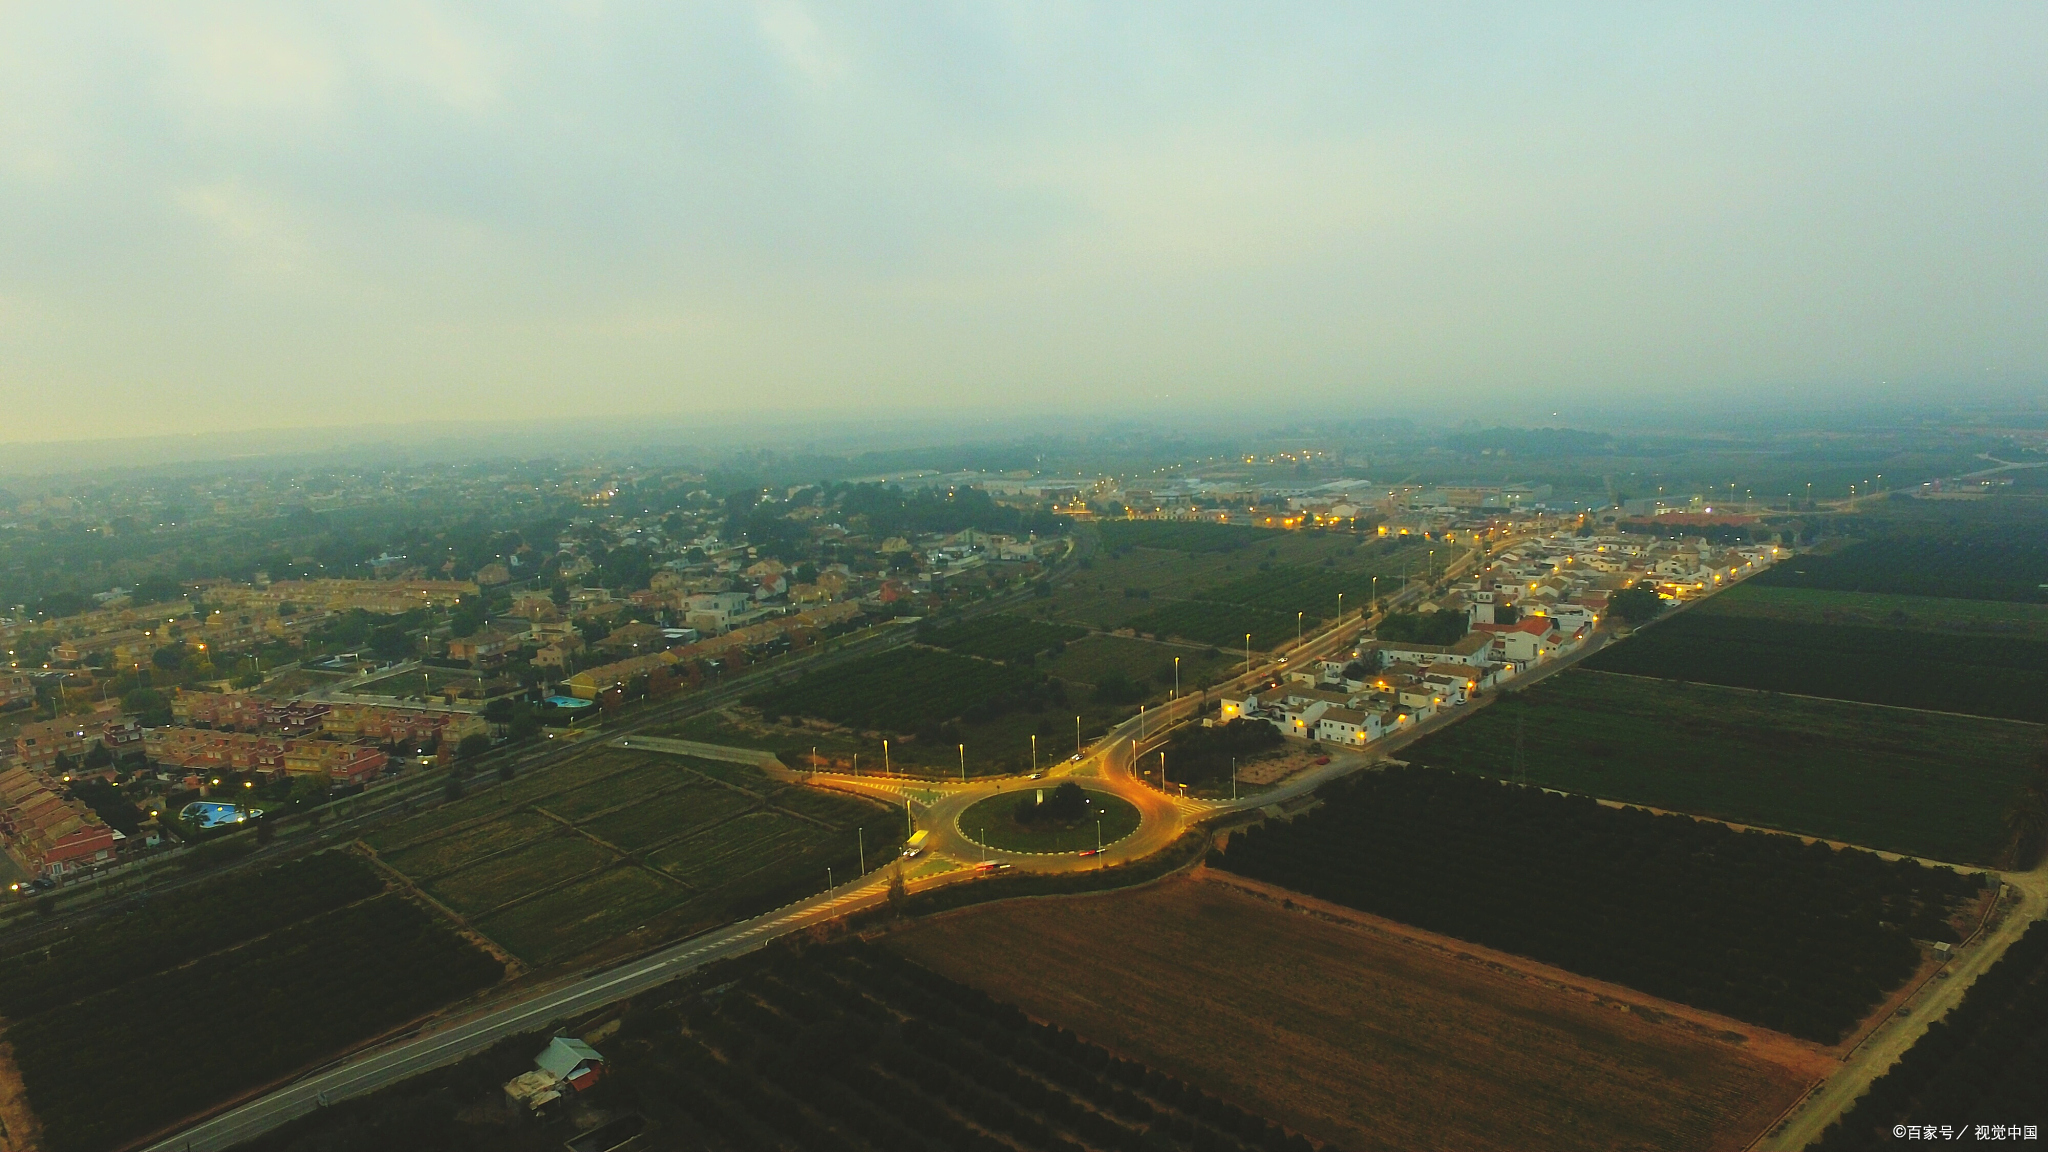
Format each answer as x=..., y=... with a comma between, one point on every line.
x=227, y=216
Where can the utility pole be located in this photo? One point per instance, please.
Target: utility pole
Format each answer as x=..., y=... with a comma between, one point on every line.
x=1233, y=779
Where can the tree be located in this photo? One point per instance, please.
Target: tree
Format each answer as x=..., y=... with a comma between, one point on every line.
x=472, y=746
x=500, y=711
x=149, y=706
x=390, y=641
x=170, y=657
x=1637, y=605
x=452, y=787
x=467, y=619
x=1423, y=627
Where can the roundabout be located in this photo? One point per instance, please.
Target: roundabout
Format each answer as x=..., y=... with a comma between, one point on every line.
x=1060, y=819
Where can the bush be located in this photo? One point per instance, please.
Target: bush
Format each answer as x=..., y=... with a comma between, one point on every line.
x=472, y=746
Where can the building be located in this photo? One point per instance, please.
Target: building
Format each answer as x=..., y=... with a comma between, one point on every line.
x=486, y=647
x=566, y=1066
x=1473, y=648
x=46, y=833
x=16, y=690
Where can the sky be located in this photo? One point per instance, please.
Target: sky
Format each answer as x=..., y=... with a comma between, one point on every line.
x=218, y=217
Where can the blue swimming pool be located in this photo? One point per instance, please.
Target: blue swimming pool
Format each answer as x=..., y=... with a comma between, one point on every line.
x=208, y=814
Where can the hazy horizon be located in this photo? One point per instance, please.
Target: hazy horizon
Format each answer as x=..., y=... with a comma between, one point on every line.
x=229, y=218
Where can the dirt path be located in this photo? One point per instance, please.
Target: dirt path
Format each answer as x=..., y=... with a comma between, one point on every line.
x=2026, y=902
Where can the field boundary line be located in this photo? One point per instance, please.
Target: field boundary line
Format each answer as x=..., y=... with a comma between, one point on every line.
x=404, y=887
x=1822, y=699
x=1691, y=1020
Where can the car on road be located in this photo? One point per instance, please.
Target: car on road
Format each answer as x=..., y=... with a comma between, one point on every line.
x=915, y=845
x=1074, y=759
x=988, y=866
x=1036, y=776
x=1091, y=851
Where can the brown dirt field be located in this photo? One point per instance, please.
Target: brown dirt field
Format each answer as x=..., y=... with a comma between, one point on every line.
x=19, y=1129
x=1369, y=1039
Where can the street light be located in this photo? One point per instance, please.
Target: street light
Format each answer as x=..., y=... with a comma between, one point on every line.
x=963, y=763
x=1034, y=753
x=885, y=757
x=1297, y=628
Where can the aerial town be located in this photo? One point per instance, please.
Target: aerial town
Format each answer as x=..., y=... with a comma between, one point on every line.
x=806, y=577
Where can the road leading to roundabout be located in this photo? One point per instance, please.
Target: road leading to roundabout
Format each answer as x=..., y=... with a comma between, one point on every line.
x=992, y=823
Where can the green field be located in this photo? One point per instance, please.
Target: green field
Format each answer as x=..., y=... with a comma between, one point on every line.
x=992, y=822
x=564, y=922
x=131, y=1022
x=1912, y=613
x=1011, y=639
x=1088, y=661
x=620, y=850
x=449, y=852
x=1130, y=576
x=675, y=813
x=1972, y=673
x=907, y=690
x=1221, y=625
x=1911, y=782
x=520, y=872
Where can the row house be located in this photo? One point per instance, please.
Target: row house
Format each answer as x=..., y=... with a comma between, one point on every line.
x=273, y=756
x=48, y=834
x=392, y=724
x=130, y=646
x=37, y=746
x=16, y=690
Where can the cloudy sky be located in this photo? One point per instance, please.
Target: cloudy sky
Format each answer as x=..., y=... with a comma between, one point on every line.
x=217, y=217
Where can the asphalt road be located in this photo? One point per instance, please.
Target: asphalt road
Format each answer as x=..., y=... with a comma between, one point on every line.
x=936, y=806
x=459, y=1037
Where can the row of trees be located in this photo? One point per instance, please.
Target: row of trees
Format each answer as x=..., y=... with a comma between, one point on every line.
x=1985, y=1063
x=1798, y=937
x=2000, y=676
x=850, y=1047
x=39, y=975
x=1011, y=639
x=140, y=1053
x=910, y=689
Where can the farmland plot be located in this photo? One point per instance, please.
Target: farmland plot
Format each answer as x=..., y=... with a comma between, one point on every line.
x=1803, y=939
x=1997, y=676
x=1385, y=1045
x=1927, y=785
x=225, y=1001
x=1010, y=639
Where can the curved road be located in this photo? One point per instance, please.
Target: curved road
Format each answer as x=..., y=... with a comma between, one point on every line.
x=937, y=807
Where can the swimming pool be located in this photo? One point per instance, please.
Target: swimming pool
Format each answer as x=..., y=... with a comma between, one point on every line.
x=208, y=814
